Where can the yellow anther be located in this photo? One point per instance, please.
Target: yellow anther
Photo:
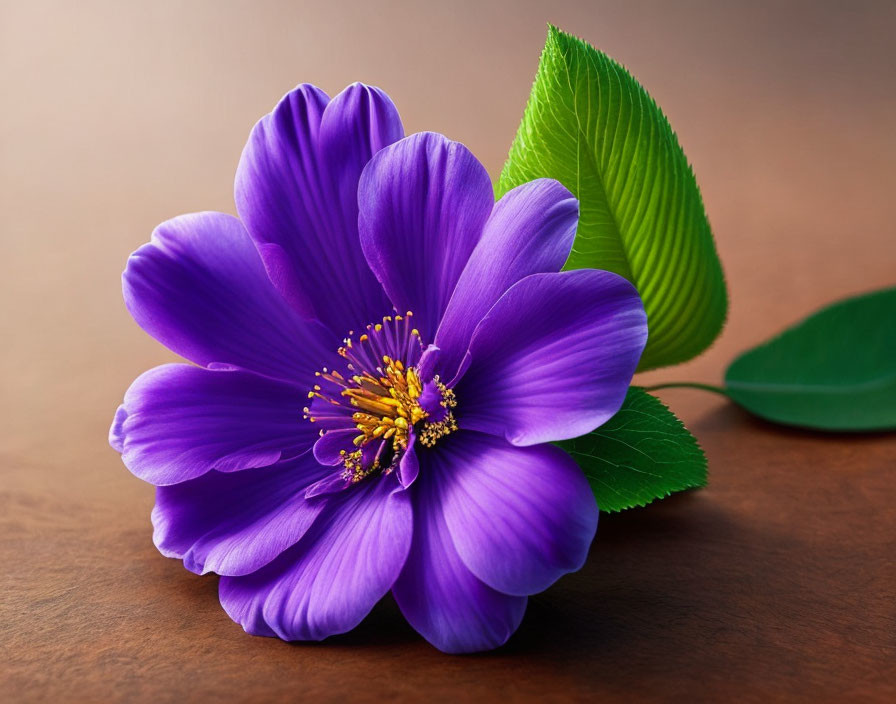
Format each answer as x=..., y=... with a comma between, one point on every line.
x=413, y=383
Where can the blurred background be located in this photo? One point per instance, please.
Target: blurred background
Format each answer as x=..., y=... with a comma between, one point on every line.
x=115, y=116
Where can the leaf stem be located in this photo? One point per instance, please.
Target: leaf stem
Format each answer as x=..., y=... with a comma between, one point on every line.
x=688, y=385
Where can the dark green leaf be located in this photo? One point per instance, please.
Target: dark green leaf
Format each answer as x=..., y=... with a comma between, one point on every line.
x=836, y=370
x=641, y=454
x=592, y=127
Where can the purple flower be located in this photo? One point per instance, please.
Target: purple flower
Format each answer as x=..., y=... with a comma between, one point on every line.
x=422, y=462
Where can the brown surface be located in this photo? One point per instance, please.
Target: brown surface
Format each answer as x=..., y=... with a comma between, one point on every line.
x=776, y=581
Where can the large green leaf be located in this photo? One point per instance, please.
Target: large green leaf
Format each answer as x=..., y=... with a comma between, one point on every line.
x=836, y=370
x=591, y=126
x=641, y=454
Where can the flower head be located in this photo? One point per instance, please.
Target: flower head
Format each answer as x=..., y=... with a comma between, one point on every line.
x=382, y=356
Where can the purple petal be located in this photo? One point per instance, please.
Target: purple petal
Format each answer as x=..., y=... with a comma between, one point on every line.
x=296, y=191
x=329, y=581
x=357, y=123
x=553, y=358
x=330, y=484
x=178, y=421
x=328, y=448
x=234, y=523
x=200, y=289
x=520, y=517
x=409, y=465
x=424, y=202
x=530, y=231
x=438, y=594
x=116, y=432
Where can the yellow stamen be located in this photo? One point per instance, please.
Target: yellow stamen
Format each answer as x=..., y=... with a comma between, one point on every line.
x=385, y=400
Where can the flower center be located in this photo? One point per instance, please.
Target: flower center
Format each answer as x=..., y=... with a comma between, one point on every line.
x=379, y=400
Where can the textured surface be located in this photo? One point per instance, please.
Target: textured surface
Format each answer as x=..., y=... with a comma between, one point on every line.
x=774, y=583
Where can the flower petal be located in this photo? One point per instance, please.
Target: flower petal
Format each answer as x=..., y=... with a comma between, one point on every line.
x=329, y=581
x=553, y=358
x=328, y=448
x=520, y=517
x=178, y=421
x=423, y=204
x=530, y=231
x=438, y=594
x=116, y=432
x=296, y=191
x=200, y=289
x=409, y=466
x=233, y=523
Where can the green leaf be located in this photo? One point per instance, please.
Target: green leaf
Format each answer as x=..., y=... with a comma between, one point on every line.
x=641, y=454
x=836, y=370
x=591, y=126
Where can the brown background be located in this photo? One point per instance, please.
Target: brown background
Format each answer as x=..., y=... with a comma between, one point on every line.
x=776, y=581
